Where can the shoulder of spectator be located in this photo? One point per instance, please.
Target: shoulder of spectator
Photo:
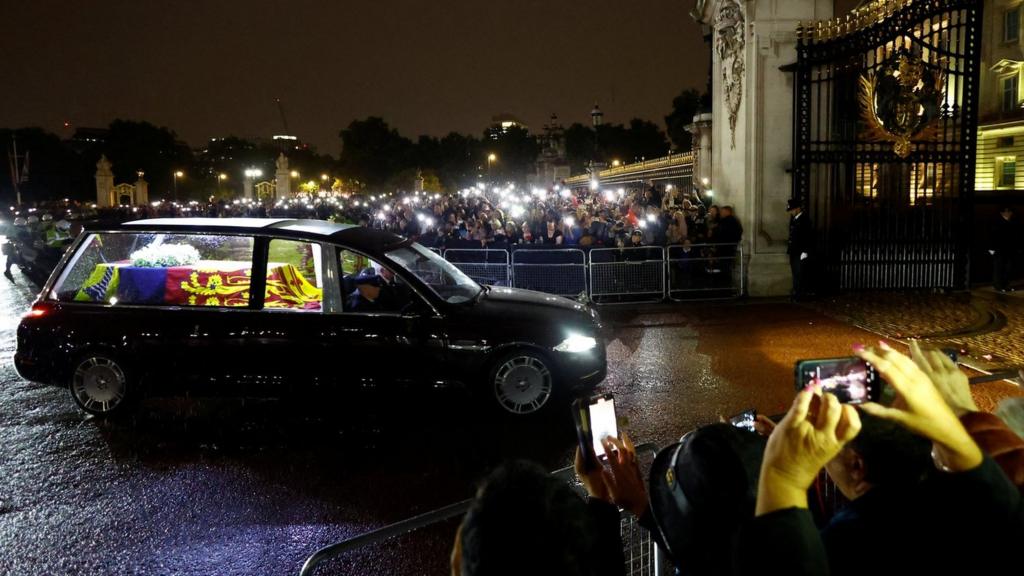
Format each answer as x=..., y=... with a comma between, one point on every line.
x=997, y=440
x=781, y=542
x=984, y=492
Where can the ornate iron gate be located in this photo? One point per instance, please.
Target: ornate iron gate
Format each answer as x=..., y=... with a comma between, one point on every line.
x=885, y=108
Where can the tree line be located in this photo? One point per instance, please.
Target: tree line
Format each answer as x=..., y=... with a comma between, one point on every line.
x=374, y=156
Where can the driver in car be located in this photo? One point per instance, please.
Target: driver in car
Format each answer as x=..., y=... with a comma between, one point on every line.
x=367, y=295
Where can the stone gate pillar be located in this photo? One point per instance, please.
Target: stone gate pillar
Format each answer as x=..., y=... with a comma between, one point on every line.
x=752, y=129
x=104, y=184
x=701, y=147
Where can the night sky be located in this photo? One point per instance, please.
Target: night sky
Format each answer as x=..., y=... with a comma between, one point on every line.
x=213, y=68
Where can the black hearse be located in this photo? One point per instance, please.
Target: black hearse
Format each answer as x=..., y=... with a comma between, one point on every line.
x=275, y=304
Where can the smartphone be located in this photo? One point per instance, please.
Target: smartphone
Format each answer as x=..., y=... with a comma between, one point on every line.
x=595, y=420
x=852, y=380
x=744, y=420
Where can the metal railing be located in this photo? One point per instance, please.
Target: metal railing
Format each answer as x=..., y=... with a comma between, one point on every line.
x=560, y=271
x=611, y=275
x=643, y=557
x=627, y=275
x=704, y=272
x=484, y=266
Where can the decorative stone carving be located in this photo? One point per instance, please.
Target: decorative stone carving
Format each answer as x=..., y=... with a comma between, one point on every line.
x=730, y=42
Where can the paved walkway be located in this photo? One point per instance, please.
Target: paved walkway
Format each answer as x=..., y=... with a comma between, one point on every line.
x=985, y=326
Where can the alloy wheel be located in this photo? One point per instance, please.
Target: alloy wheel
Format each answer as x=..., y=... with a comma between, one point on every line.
x=99, y=385
x=522, y=384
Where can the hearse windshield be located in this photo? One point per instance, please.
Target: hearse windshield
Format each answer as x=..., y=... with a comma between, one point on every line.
x=441, y=276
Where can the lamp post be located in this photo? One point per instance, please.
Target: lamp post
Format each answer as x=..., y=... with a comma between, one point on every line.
x=220, y=181
x=250, y=175
x=177, y=174
x=491, y=159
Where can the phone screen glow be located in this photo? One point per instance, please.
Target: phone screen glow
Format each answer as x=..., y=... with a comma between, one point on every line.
x=602, y=423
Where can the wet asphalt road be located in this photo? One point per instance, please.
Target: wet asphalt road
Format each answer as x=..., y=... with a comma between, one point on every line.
x=230, y=487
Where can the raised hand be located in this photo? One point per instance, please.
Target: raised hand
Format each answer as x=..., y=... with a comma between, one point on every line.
x=800, y=446
x=920, y=408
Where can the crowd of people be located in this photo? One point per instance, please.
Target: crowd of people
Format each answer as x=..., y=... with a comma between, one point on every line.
x=933, y=487
x=501, y=218
x=481, y=216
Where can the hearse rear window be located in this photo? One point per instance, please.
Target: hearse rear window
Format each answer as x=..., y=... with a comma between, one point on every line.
x=160, y=269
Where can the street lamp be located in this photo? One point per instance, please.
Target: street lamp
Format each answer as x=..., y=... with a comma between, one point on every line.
x=250, y=175
x=177, y=174
x=324, y=177
x=491, y=159
x=295, y=174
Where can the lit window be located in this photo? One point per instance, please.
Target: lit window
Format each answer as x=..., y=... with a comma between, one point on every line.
x=1009, y=93
x=1011, y=25
x=1006, y=171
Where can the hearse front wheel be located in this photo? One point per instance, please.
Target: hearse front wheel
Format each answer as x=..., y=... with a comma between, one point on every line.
x=521, y=382
x=100, y=385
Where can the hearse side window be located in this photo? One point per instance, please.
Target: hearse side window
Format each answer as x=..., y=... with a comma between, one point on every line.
x=294, y=276
x=369, y=288
x=159, y=269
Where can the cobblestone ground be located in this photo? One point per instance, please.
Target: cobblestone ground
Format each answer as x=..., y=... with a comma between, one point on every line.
x=985, y=326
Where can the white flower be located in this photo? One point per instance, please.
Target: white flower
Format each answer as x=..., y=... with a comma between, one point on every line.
x=165, y=256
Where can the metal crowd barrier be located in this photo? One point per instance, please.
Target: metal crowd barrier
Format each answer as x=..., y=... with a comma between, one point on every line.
x=643, y=557
x=627, y=275
x=557, y=271
x=611, y=275
x=484, y=266
x=705, y=272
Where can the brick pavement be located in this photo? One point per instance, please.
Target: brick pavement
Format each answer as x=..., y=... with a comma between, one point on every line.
x=985, y=326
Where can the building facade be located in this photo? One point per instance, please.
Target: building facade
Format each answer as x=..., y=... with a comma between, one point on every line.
x=1000, y=111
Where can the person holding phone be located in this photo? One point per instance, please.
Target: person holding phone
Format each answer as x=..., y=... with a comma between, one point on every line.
x=701, y=491
x=966, y=504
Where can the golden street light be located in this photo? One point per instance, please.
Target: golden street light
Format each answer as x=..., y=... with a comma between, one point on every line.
x=324, y=177
x=491, y=158
x=177, y=174
x=295, y=173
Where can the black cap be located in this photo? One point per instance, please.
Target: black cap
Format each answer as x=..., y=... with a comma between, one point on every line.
x=793, y=203
x=367, y=276
x=703, y=488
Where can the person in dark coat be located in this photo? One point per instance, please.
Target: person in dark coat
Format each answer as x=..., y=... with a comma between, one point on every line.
x=526, y=521
x=727, y=234
x=1004, y=244
x=799, y=245
x=366, y=296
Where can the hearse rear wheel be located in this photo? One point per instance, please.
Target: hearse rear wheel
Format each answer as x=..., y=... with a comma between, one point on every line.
x=522, y=382
x=100, y=385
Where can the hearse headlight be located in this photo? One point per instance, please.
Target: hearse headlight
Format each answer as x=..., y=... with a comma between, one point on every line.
x=576, y=343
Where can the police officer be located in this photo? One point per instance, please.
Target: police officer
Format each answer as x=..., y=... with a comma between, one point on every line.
x=1004, y=244
x=799, y=245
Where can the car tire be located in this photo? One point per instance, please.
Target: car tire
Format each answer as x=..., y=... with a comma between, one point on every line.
x=521, y=382
x=101, y=385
